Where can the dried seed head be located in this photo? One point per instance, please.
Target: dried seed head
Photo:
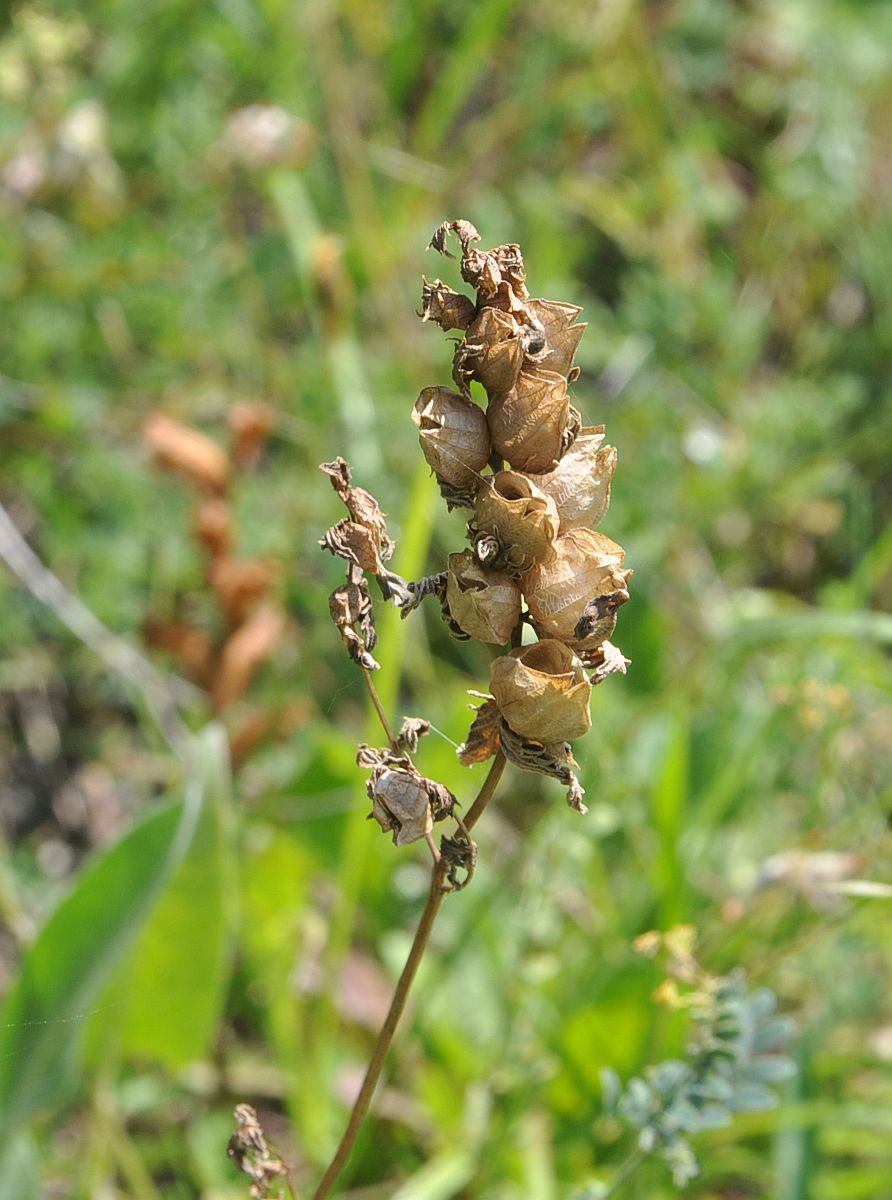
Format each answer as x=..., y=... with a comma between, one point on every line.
x=582, y=576
x=522, y=521
x=448, y=308
x=527, y=423
x=580, y=483
x=542, y=692
x=484, y=604
x=492, y=352
x=562, y=337
x=454, y=436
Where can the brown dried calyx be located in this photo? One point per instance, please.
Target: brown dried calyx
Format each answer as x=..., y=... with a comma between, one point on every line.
x=404, y=802
x=515, y=525
x=542, y=692
x=484, y=604
x=455, y=442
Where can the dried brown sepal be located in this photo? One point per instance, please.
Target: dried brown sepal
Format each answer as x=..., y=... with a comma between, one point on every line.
x=448, y=308
x=181, y=448
x=604, y=660
x=355, y=543
x=243, y=652
x=553, y=759
x=484, y=604
x=464, y=231
x=350, y=607
x=482, y=741
x=521, y=519
x=364, y=509
x=585, y=567
x=543, y=692
x=600, y=612
x=459, y=854
x=527, y=423
x=492, y=352
x=454, y=437
x=511, y=265
x=458, y=497
x=562, y=336
x=580, y=483
x=411, y=730
x=249, y=1150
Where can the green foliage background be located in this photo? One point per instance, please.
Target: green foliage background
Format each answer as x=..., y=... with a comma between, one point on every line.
x=711, y=181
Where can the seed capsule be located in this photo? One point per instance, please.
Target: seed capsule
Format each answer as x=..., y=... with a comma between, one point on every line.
x=580, y=483
x=492, y=352
x=561, y=335
x=542, y=692
x=527, y=423
x=575, y=595
x=521, y=519
x=485, y=604
x=453, y=434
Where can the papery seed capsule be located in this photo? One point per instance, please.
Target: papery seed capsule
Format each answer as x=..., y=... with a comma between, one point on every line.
x=521, y=518
x=580, y=483
x=561, y=335
x=453, y=434
x=400, y=803
x=582, y=583
x=542, y=692
x=450, y=309
x=492, y=352
x=484, y=604
x=527, y=424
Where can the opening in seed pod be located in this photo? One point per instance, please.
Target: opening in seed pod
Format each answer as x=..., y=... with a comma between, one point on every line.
x=543, y=692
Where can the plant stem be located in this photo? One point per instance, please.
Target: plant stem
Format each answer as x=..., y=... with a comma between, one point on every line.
x=401, y=993
x=379, y=708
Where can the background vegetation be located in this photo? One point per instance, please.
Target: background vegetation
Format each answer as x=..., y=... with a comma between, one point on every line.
x=711, y=181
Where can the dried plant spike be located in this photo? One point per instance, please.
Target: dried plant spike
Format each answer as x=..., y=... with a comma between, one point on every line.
x=447, y=308
x=521, y=519
x=181, y=448
x=454, y=436
x=543, y=692
x=484, y=604
x=580, y=483
x=527, y=423
x=492, y=352
x=584, y=570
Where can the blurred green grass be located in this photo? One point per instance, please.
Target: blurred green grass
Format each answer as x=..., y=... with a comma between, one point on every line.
x=710, y=181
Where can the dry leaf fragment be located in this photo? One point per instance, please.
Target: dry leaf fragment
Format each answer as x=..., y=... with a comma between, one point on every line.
x=527, y=423
x=543, y=692
x=580, y=483
x=521, y=519
x=243, y=652
x=484, y=604
x=350, y=606
x=411, y=730
x=181, y=448
x=454, y=437
x=250, y=1152
x=448, y=308
x=482, y=741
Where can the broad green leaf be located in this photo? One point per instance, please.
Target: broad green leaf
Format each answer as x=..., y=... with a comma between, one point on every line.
x=177, y=975
x=77, y=950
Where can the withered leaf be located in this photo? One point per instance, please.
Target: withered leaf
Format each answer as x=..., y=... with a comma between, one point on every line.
x=482, y=741
x=351, y=606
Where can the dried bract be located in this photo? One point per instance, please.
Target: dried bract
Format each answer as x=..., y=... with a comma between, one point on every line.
x=552, y=759
x=454, y=437
x=562, y=337
x=527, y=423
x=482, y=741
x=484, y=604
x=580, y=483
x=542, y=692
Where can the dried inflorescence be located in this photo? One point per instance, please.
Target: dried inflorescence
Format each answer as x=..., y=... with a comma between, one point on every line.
x=537, y=480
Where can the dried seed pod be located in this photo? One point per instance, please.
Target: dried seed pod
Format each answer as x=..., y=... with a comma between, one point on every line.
x=183, y=449
x=522, y=521
x=243, y=652
x=582, y=576
x=454, y=436
x=527, y=424
x=448, y=308
x=350, y=607
x=580, y=483
x=562, y=337
x=492, y=352
x=484, y=604
x=542, y=692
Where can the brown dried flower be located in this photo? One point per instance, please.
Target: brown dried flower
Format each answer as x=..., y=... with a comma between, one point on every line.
x=542, y=692
x=527, y=423
x=561, y=336
x=454, y=437
x=449, y=309
x=403, y=800
x=580, y=483
x=516, y=523
x=484, y=604
x=492, y=352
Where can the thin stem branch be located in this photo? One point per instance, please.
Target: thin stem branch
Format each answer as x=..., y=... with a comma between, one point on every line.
x=397, y=1005
x=379, y=708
